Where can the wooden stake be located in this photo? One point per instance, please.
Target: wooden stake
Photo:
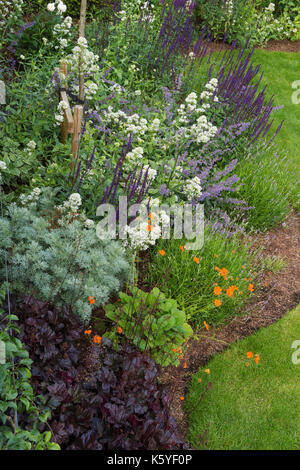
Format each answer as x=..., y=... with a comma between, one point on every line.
x=78, y=111
x=82, y=18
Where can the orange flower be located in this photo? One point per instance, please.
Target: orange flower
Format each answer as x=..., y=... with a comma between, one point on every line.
x=237, y=279
x=180, y=350
x=175, y=350
x=199, y=380
x=233, y=251
x=180, y=357
x=217, y=290
x=151, y=216
x=224, y=273
x=196, y=259
x=207, y=371
x=255, y=274
x=119, y=329
x=257, y=358
x=184, y=365
x=249, y=354
x=247, y=364
x=181, y=398
x=217, y=256
x=91, y=300
x=230, y=290
x=162, y=252
x=181, y=248
x=97, y=339
x=251, y=287
x=217, y=302
x=87, y=332
x=206, y=325
x=149, y=227
x=217, y=269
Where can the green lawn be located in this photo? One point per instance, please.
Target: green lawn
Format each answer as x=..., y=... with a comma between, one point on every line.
x=281, y=69
x=254, y=407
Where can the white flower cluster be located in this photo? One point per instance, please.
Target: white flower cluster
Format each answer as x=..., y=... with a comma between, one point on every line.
x=134, y=157
x=211, y=86
x=60, y=6
x=73, y=203
x=270, y=7
x=10, y=12
x=229, y=7
x=90, y=89
x=31, y=198
x=89, y=223
x=151, y=173
x=59, y=116
x=192, y=189
x=146, y=229
x=61, y=32
x=2, y=165
x=82, y=55
x=30, y=146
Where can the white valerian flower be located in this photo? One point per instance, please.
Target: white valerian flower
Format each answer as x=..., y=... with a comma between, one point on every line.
x=74, y=202
x=51, y=6
x=154, y=126
x=2, y=165
x=82, y=41
x=192, y=56
x=31, y=144
x=89, y=223
x=192, y=189
x=61, y=7
x=138, y=92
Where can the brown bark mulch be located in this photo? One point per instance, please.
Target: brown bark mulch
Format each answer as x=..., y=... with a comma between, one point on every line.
x=272, y=46
x=276, y=295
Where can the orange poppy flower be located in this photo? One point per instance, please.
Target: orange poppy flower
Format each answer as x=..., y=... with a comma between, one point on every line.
x=97, y=339
x=217, y=290
x=249, y=354
x=119, y=329
x=162, y=252
x=197, y=260
x=206, y=325
x=87, y=332
x=207, y=371
x=217, y=302
x=91, y=300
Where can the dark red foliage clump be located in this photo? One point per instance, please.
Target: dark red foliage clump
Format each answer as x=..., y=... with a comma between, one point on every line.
x=120, y=406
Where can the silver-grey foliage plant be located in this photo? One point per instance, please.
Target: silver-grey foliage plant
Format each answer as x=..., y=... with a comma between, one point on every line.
x=65, y=265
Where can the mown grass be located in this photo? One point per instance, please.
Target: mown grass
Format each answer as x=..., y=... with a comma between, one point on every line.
x=254, y=407
x=281, y=70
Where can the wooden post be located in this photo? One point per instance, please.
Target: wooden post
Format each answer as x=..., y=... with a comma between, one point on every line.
x=67, y=126
x=78, y=111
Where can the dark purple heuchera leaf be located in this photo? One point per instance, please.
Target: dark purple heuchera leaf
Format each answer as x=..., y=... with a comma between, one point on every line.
x=119, y=406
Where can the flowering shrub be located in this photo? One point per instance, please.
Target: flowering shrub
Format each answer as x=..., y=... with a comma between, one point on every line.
x=65, y=263
x=152, y=322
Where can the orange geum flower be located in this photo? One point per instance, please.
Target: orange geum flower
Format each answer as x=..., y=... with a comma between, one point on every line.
x=119, y=329
x=207, y=371
x=184, y=365
x=180, y=357
x=217, y=302
x=162, y=252
x=251, y=287
x=181, y=248
x=199, y=380
x=217, y=290
x=230, y=290
x=149, y=227
x=197, y=260
x=87, y=332
x=217, y=256
x=175, y=350
x=249, y=354
x=91, y=300
x=181, y=398
x=206, y=325
x=97, y=339
x=151, y=216
x=224, y=272
x=257, y=358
